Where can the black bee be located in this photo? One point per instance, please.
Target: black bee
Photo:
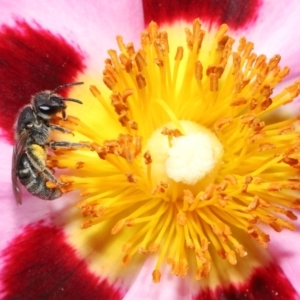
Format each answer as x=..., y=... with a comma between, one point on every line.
x=32, y=131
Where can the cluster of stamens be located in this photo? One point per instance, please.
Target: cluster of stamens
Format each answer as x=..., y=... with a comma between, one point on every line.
x=228, y=93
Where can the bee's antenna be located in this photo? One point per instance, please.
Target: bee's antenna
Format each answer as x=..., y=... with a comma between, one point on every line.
x=65, y=85
x=73, y=100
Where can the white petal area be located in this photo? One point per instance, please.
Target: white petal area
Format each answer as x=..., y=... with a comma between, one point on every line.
x=276, y=31
x=92, y=25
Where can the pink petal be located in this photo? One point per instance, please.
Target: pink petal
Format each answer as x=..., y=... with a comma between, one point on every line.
x=30, y=63
x=93, y=25
x=64, y=19
x=271, y=25
x=48, y=268
x=265, y=283
x=275, y=32
x=236, y=13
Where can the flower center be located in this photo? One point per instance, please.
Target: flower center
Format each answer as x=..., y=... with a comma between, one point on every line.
x=193, y=158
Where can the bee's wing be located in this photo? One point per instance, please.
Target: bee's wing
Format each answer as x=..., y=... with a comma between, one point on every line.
x=18, y=150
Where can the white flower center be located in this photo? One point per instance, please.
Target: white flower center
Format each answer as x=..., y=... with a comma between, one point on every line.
x=190, y=159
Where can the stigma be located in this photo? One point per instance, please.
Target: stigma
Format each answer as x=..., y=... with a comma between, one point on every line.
x=188, y=157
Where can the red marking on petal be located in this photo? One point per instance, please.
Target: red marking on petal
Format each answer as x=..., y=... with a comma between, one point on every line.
x=265, y=284
x=32, y=59
x=235, y=13
x=39, y=264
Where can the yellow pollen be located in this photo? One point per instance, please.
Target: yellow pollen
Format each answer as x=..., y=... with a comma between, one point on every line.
x=189, y=165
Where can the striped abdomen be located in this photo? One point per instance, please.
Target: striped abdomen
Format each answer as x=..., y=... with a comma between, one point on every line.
x=35, y=182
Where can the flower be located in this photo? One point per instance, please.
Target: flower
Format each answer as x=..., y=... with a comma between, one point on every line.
x=108, y=142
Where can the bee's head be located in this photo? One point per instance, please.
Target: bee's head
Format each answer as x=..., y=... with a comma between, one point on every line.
x=47, y=104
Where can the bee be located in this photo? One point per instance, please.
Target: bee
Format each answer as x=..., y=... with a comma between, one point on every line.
x=32, y=130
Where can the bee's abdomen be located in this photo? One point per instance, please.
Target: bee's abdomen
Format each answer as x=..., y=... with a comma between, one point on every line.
x=34, y=182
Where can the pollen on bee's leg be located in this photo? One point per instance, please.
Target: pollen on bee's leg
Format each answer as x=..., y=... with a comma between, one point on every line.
x=51, y=185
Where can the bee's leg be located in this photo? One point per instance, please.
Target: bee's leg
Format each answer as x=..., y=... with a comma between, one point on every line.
x=45, y=173
x=48, y=174
x=66, y=145
x=61, y=129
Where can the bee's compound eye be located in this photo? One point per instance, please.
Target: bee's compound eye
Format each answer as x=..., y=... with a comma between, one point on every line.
x=44, y=108
x=48, y=110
